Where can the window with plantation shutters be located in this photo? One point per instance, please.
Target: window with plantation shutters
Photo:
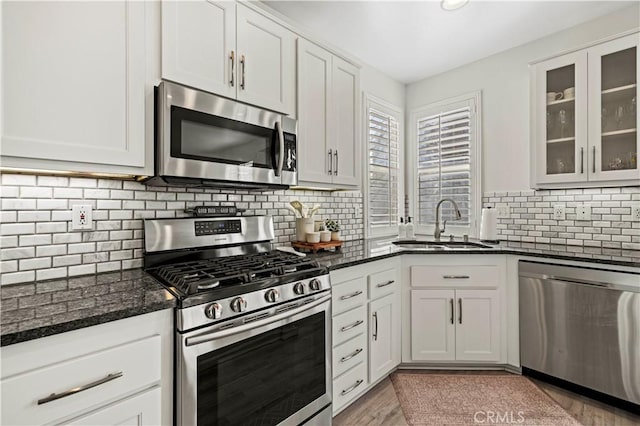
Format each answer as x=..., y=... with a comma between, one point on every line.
x=445, y=164
x=383, y=169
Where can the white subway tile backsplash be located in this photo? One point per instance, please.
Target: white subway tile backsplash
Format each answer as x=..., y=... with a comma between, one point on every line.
x=38, y=230
x=532, y=219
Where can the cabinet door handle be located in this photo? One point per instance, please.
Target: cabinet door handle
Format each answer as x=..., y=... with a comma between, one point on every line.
x=349, y=296
x=594, y=159
x=351, y=355
x=335, y=172
x=242, y=66
x=330, y=161
x=375, y=324
x=385, y=284
x=79, y=389
x=460, y=310
x=581, y=160
x=350, y=389
x=350, y=326
x=232, y=58
x=452, y=313
x=456, y=277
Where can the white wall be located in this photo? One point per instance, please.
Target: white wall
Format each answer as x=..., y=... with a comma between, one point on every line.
x=504, y=81
x=382, y=86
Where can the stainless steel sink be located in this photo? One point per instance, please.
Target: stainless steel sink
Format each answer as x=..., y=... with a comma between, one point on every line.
x=439, y=245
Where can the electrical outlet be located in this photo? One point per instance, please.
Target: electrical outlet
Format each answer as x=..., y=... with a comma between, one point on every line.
x=558, y=212
x=81, y=217
x=635, y=212
x=503, y=212
x=583, y=212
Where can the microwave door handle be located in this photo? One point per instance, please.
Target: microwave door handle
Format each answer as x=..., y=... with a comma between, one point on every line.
x=280, y=149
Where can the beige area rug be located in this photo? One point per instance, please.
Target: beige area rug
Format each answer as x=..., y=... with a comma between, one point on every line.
x=438, y=399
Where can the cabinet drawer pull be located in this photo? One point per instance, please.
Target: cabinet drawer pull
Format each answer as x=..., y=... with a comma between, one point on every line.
x=242, y=65
x=451, y=303
x=349, y=390
x=385, y=284
x=456, y=277
x=349, y=296
x=232, y=58
x=350, y=326
x=351, y=355
x=460, y=310
x=73, y=391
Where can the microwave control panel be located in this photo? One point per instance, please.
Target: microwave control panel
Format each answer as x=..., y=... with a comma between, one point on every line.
x=215, y=227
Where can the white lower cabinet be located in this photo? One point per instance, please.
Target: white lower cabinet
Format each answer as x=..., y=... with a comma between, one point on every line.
x=461, y=325
x=366, y=328
x=114, y=373
x=139, y=410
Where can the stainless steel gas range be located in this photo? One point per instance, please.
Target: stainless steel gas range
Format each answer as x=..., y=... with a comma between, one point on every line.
x=253, y=330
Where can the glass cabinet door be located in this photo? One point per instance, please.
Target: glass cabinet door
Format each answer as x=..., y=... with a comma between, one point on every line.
x=561, y=119
x=613, y=134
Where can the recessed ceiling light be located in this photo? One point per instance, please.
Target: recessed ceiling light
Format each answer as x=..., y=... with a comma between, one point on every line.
x=453, y=4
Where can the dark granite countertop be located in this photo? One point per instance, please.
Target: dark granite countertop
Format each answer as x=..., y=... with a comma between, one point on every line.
x=43, y=308
x=38, y=309
x=356, y=252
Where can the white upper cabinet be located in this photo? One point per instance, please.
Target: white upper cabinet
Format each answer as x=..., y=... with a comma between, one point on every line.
x=229, y=49
x=198, y=44
x=585, y=116
x=73, y=84
x=266, y=62
x=614, y=71
x=328, y=118
x=314, y=105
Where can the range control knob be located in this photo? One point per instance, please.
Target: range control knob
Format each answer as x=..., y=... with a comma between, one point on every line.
x=298, y=288
x=239, y=304
x=314, y=284
x=272, y=296
x=213, y=311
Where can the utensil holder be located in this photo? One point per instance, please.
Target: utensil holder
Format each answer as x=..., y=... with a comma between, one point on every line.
x=303, y=225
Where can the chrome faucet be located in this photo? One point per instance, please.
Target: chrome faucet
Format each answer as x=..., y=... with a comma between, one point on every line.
x=438, y=231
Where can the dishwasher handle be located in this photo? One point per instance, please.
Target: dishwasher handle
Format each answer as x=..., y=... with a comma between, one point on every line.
x=581, y=281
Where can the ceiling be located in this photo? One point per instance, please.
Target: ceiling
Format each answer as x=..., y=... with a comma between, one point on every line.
x=412, y=40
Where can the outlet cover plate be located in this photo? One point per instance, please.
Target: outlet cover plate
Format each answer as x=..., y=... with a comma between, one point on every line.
x=81, y=216
x=583, y=212
x=635, y=212
x=558, y=212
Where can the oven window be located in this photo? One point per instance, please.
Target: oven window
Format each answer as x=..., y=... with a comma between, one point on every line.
x=266, y=378
x=200, y=136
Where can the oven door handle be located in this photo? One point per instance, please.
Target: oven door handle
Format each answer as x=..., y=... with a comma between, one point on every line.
x=207, y=337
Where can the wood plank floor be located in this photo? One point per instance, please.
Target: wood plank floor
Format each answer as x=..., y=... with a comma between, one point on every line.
x=380, y=406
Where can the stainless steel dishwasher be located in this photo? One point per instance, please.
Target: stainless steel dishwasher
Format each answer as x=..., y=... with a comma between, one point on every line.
x=582, y=326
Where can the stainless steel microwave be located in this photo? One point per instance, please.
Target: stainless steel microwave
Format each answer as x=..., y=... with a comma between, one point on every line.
x=206, y=140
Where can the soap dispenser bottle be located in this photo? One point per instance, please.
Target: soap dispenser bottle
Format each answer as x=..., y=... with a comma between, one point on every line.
x=402, y=230
x=409, y=229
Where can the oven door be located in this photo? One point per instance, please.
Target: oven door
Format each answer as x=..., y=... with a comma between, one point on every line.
x=207, y=137
x=276, y=370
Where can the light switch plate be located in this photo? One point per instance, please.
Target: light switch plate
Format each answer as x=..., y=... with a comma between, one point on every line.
x=81, y=216
x=583, y=212
x=558, y=212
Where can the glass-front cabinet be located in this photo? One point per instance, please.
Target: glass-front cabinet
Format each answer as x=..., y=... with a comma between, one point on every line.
x=585, y=116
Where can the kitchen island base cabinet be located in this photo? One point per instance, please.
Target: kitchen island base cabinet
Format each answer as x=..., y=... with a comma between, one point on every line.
x=113, y=373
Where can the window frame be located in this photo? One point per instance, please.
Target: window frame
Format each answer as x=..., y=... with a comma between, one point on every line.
x=474, y=100
x=371, y=101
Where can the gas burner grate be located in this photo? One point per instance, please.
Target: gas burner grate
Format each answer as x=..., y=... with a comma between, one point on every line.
x=208, y=274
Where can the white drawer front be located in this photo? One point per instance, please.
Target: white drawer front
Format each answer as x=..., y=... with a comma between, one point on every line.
x=138, y=362
x=348, y=325
x=458, y=275
x=348, y=295
x=349, y=354
x=348, y=386
x=382, y=283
